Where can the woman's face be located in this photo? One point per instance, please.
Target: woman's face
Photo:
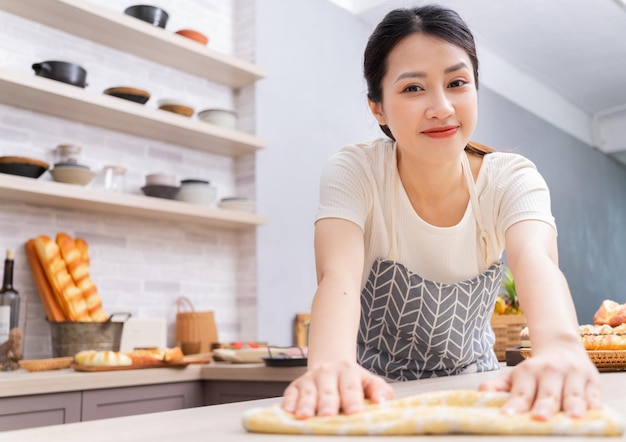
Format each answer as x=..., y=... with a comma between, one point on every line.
x=429, y=98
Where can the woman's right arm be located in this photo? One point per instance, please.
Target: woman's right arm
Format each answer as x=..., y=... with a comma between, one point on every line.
x=334, y=381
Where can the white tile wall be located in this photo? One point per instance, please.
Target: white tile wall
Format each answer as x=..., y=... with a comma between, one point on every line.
x=139, y=265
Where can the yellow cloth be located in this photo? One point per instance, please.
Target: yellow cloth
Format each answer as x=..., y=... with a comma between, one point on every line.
x=443, y=412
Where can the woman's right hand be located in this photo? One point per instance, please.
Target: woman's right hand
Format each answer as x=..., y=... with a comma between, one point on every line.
x=333, y=387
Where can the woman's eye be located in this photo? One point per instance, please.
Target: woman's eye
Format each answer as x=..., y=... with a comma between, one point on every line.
x=412, y=88
x=458, y=83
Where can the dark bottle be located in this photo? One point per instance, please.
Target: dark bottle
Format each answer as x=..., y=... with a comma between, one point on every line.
x=9, y=300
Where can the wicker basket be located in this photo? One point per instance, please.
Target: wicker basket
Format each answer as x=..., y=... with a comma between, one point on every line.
x=46, y=364
x=507, y=329
x=604, y=360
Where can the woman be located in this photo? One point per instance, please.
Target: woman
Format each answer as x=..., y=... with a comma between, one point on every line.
x=410, y=233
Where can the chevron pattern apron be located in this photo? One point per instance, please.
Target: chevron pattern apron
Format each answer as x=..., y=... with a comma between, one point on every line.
x=412, y=328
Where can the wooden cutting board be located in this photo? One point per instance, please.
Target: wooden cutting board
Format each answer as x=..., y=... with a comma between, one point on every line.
x=48, y=299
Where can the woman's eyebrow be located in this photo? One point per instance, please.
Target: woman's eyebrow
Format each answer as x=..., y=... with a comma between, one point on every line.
x=453, y=68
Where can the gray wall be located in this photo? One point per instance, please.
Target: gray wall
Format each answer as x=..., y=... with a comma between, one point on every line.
x=313, y=102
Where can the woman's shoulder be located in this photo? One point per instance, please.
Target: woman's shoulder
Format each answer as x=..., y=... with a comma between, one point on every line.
x=499, y=162
x=371, y=154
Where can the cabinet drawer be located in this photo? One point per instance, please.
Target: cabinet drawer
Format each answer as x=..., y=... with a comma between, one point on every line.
x=116, y=402
x=38, y=410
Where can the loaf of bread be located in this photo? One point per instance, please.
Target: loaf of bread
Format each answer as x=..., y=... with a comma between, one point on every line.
x=610, y=313
x=154, y=355
x=68, y=295
x=604, y=342
x=104, y=358
x=79, y=270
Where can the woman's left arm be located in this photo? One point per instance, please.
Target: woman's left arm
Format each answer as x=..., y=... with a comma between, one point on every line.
x=560, y=375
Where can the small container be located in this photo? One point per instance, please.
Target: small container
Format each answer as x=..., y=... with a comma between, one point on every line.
x=114, y=178
x=196, y=192
x=67, y=154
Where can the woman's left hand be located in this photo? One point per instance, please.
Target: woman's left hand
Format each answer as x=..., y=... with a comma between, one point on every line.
x=557, y=379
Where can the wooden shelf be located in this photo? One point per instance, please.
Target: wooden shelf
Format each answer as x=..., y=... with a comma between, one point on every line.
x=66, y=101
x=48, y=193
x=120, y=31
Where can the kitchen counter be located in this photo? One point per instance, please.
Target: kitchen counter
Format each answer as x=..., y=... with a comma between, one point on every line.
x=223, y=422
x=22, y=383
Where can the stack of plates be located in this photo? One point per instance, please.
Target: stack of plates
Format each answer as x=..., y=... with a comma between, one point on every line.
x=237, y=203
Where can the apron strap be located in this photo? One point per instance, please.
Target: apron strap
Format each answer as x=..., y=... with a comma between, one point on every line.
x=471, y=186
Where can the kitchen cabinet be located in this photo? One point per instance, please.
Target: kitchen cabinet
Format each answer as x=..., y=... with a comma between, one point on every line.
x=128, y=34
x=77, y=406
x=39, y=410
x=226, y=392
x=129, y=401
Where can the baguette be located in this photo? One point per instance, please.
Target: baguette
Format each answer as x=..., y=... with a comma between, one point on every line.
x=79, y=270
x=154, y=355
x=69, y=296
x=104, y=358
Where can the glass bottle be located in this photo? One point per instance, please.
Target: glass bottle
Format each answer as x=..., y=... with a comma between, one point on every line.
x=9, y=300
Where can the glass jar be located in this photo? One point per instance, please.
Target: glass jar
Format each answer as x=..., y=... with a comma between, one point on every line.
x=67, y=153
x=114, y=178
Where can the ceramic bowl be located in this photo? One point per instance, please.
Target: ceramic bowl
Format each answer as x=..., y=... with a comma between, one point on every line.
x=23, y=166
x=161, y=179
x=194, y=35
x=62, y=71
x=220, y=117
x=150, y=14
x=159, y=191
x=129, y=93
x=176, y=106
x=79, y=175
x=237, y=203
x=196, y=192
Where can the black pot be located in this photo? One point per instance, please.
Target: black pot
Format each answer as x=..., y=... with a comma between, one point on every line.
x=69, y=73
x=151, y=14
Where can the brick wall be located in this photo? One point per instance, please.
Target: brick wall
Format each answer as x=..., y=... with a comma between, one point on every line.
x=139, y=265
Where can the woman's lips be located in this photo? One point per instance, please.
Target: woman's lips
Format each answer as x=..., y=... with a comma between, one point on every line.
x=441, y=132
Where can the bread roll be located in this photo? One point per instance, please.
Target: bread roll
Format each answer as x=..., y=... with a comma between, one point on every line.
x=607, y=310
x=79, y=270
x=146, y=355
x=104, y=358
x=68, y=295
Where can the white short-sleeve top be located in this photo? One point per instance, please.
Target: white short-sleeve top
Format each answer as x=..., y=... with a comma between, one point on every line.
x=358, y=184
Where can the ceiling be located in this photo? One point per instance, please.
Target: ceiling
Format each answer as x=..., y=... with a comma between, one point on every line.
x=577, y=48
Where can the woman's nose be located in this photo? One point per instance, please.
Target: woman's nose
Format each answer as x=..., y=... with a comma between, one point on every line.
x=439, y=105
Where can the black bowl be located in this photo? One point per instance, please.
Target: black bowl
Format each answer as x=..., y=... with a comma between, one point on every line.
x=21, y=166
x=151, y=14
x=128, y=93
x=158, y=191
x=63, y=71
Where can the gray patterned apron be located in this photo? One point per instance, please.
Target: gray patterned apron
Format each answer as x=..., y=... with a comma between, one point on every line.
x=412, y=328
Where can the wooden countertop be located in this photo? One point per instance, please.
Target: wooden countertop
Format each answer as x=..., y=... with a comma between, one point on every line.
x=22, y=382
x=223, y=422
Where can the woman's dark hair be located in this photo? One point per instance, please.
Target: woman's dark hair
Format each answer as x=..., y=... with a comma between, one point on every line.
x=432, y=20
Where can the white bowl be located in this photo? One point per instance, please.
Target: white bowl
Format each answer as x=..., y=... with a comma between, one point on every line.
x=220, y=117
x=161, y=179
x=197, y=193
x=72, y=175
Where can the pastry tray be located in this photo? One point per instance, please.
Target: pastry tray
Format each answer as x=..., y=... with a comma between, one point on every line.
x=604, y=360
x=95, y=368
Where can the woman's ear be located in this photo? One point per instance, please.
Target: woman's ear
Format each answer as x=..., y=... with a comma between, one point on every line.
x=377, y=111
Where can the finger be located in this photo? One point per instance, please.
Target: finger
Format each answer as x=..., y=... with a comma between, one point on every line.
x=594, y=393
x=575, y=394
x=327, y=392
x=290, y=398
x=307, y=398
x=522, y=390
x=351, y=390
x=377, y=389
x=549, y=397
x=501, y=383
